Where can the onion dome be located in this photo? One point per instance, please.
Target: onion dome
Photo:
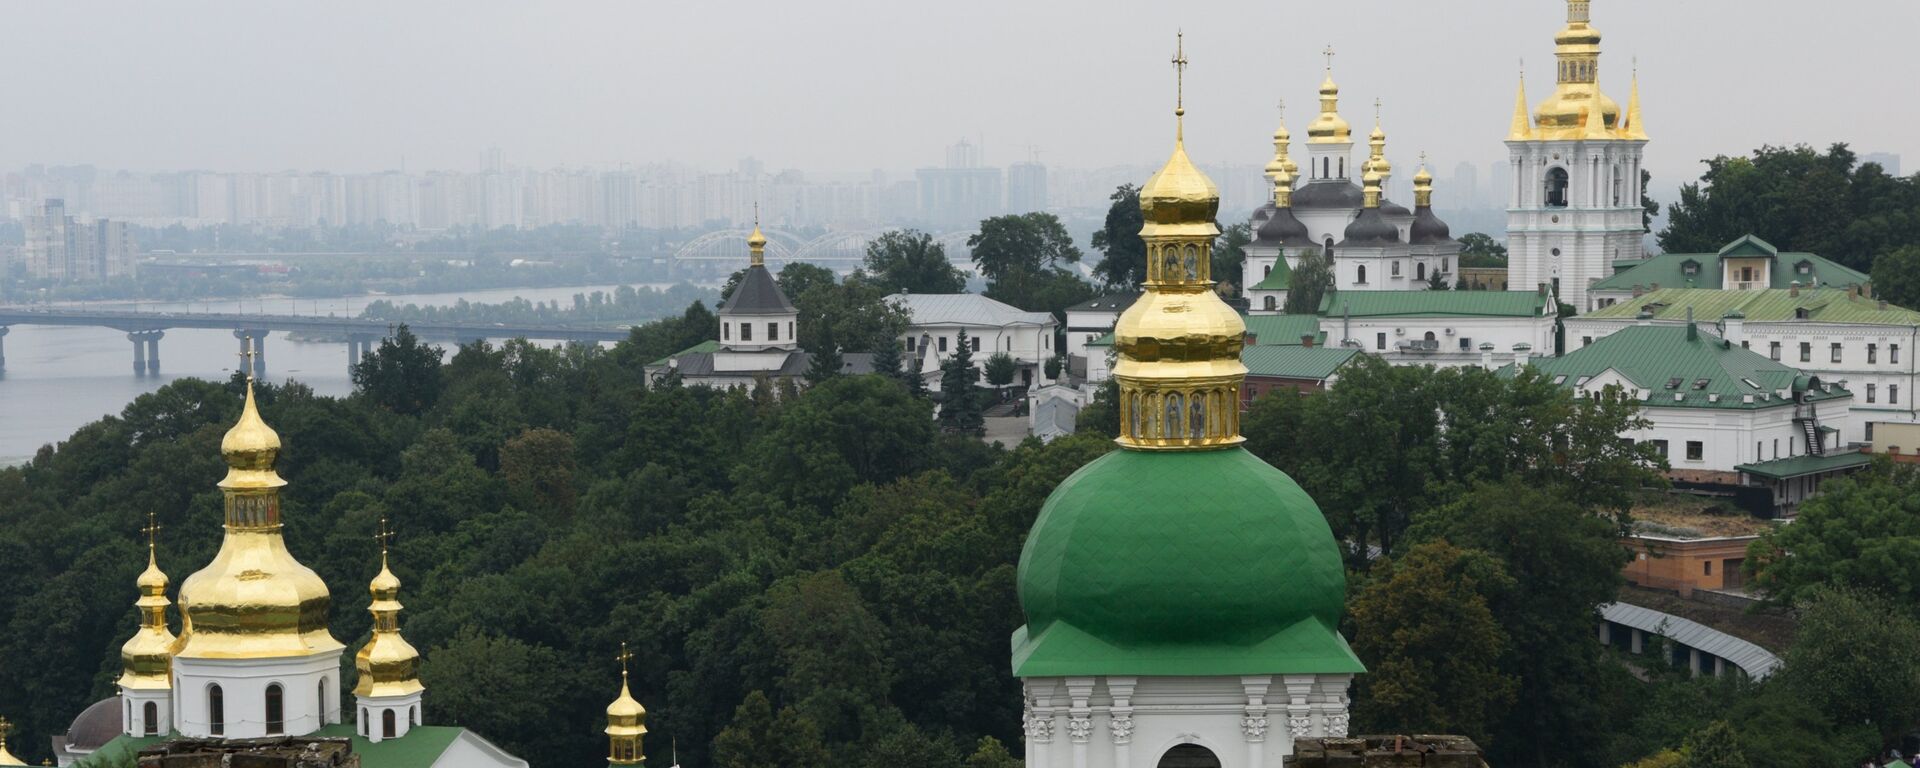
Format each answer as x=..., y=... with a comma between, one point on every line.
x=1577, y=109
x=1178, y=196
x=1329, y=127
x=146, y=660
x=1427, y=229
x=254, y=600
x=1282, y=228
x=1181, y=553
x=626, y=722
x=1371, y=228
x=1328, y=194
x=757, y=244
x=6, y=731
x=388, y=664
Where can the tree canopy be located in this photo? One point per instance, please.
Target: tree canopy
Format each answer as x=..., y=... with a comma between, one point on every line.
x=911, y=261
x=1124, y=263
x=1798, y=199
x=1861, y=532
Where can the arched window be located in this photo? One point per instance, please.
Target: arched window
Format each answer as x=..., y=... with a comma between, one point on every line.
x=150, y=719
x=366, y=726
x=386, y=723
x=1326, y=167
x=1557, y=188
x=1327, y=249
x=276, y=710
x=1420, y=270
x=1271, y=304
x=1189, y=756
x=216, y=710
x=1266, y=270
x=1362, y=279
x=726, y=332
x=322, y=700
x=1343, y=167
x=1430, y=336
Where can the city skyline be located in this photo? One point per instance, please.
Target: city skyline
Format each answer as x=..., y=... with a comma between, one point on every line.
x=803, y=89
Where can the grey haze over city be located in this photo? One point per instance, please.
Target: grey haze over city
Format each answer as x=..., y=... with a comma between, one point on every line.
x=843, y=87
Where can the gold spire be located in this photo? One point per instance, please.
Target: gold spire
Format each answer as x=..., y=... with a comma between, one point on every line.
x=388, y=664
x=1329, y=127
x=1377, y=141
x=626, y=721
x=1632, y=129
x=756, y=242
x=1522, y=129
x=254, y=600
x=1422, y=185
x=1577, y=109
x=6, y=731
x=146, y=660
x=1282, y=170
x=1179, y=368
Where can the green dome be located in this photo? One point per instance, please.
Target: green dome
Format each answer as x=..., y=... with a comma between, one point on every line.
x=1188, y=563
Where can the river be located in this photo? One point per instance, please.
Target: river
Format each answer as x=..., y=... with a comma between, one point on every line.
x=60, y=378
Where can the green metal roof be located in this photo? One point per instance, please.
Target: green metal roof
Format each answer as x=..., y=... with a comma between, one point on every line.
x=1103, y=341
x=1801, y=466
x=1278, y=279
x=1822, y=305
x=1654, y=356
x=1181, y=563
x=705, y=346
x=1283, y=330
x=421, y=747
x=1433, y=303
x=1295, y=362
x=1669, y=269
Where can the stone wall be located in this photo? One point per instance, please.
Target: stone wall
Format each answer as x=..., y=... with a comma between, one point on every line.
x=1388, y=752
x=251, y=753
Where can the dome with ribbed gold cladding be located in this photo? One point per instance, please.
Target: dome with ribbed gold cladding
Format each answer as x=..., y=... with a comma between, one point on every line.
x=1179, y=194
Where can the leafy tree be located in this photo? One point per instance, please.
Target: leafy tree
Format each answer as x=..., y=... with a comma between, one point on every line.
x=1230, y=258
x=1570, y=561
x=1423, y=626
x=493, y=685
x=959, y=404
x=799, y=277
x=1715, y=746
x=851, y=316
x=403, y=375
x=1102, y=414
x=1860, y=532
x=539, y=469
x=825, y=363
x=911, y=261
x=886, y=357
x=1052, y=367
x=1021, y=244
x=1050, y=291
x=1000, y=369
x=1311, y=282
x=990, y=753
x=1856, y=658
x=1896, y=276
x=1124, y=264
x=758, y=739
x=1479, y=249
x=1649, y=207
x=1438, y=282
x=1799, y=199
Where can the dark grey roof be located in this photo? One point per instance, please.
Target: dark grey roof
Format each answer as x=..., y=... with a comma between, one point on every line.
x=796, y=364
x=1283, y=229
x=96, y=725
x=1261, y=214
x=1371, y=229
x=1427, y=228
x=1391, y=208
x=1329, y=193
x=1113, y=302
x=1752, y=659
x=757, y=294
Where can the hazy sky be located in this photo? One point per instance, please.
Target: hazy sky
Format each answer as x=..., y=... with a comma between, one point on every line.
x=840, y=85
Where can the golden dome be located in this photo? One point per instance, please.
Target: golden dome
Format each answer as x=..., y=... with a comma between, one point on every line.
x=254, y=600
x=626, y=722
x=146, y=660
x=1422, y=184
x=1577, y=109
x=1329, y=127
x=388, y=664
x=756, y=242
x=1179, y=344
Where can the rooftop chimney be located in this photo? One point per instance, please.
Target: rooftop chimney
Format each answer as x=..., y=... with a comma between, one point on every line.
x=1306, y=340
x=1734, y=328
x=1486, y=355
x=1794, y=289
x=1521, y=352
x=1638, y=289
x=1693, y=333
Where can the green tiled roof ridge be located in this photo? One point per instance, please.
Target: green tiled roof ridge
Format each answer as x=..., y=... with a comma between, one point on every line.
x=1650, y=356
x=1295, y=362
x=1433, y=303
x=1831, y=305
x=1665, y=269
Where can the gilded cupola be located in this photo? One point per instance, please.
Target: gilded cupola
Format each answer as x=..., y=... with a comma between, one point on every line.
x=1179, y=345
x=1329, y=127
x=254, y=601
x=1577, y=109
x=626, y=722
x=1422, y=185
x=6, y=731
x=388, y=665
x=146, y=660
x=757, y=242
x=1377, y=147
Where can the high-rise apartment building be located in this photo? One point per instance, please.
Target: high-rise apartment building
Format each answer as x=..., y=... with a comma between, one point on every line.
x=62, y=249
x=1026, y=187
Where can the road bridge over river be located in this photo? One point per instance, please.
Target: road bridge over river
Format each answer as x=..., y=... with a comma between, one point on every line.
x=145, y=329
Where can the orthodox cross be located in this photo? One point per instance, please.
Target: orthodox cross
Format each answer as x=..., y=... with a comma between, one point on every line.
x=246, y=357
x=385, y=536
x=1423, y=158
x=1376, y=110
x=6, y=729
x=1283, y=110
x=1179, y=71
x=624, y=657
x=1329, y=54
x=151, y=529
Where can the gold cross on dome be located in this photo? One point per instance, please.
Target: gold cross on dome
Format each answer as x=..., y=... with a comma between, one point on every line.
x=6, y=729
x=1376, y=110
x=1283, y=110
x=1179, y=69
x=385, y=536
x=247, y=354
x=151, y=529
x=1329, y=54
x=624, y=657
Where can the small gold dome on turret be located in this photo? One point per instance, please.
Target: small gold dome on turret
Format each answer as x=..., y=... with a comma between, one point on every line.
x=388, y=664
x=1329, y=127
x=6, y=731
x=1179, y=195
x=250, y=445
x=146, y=660
x=626, y=722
